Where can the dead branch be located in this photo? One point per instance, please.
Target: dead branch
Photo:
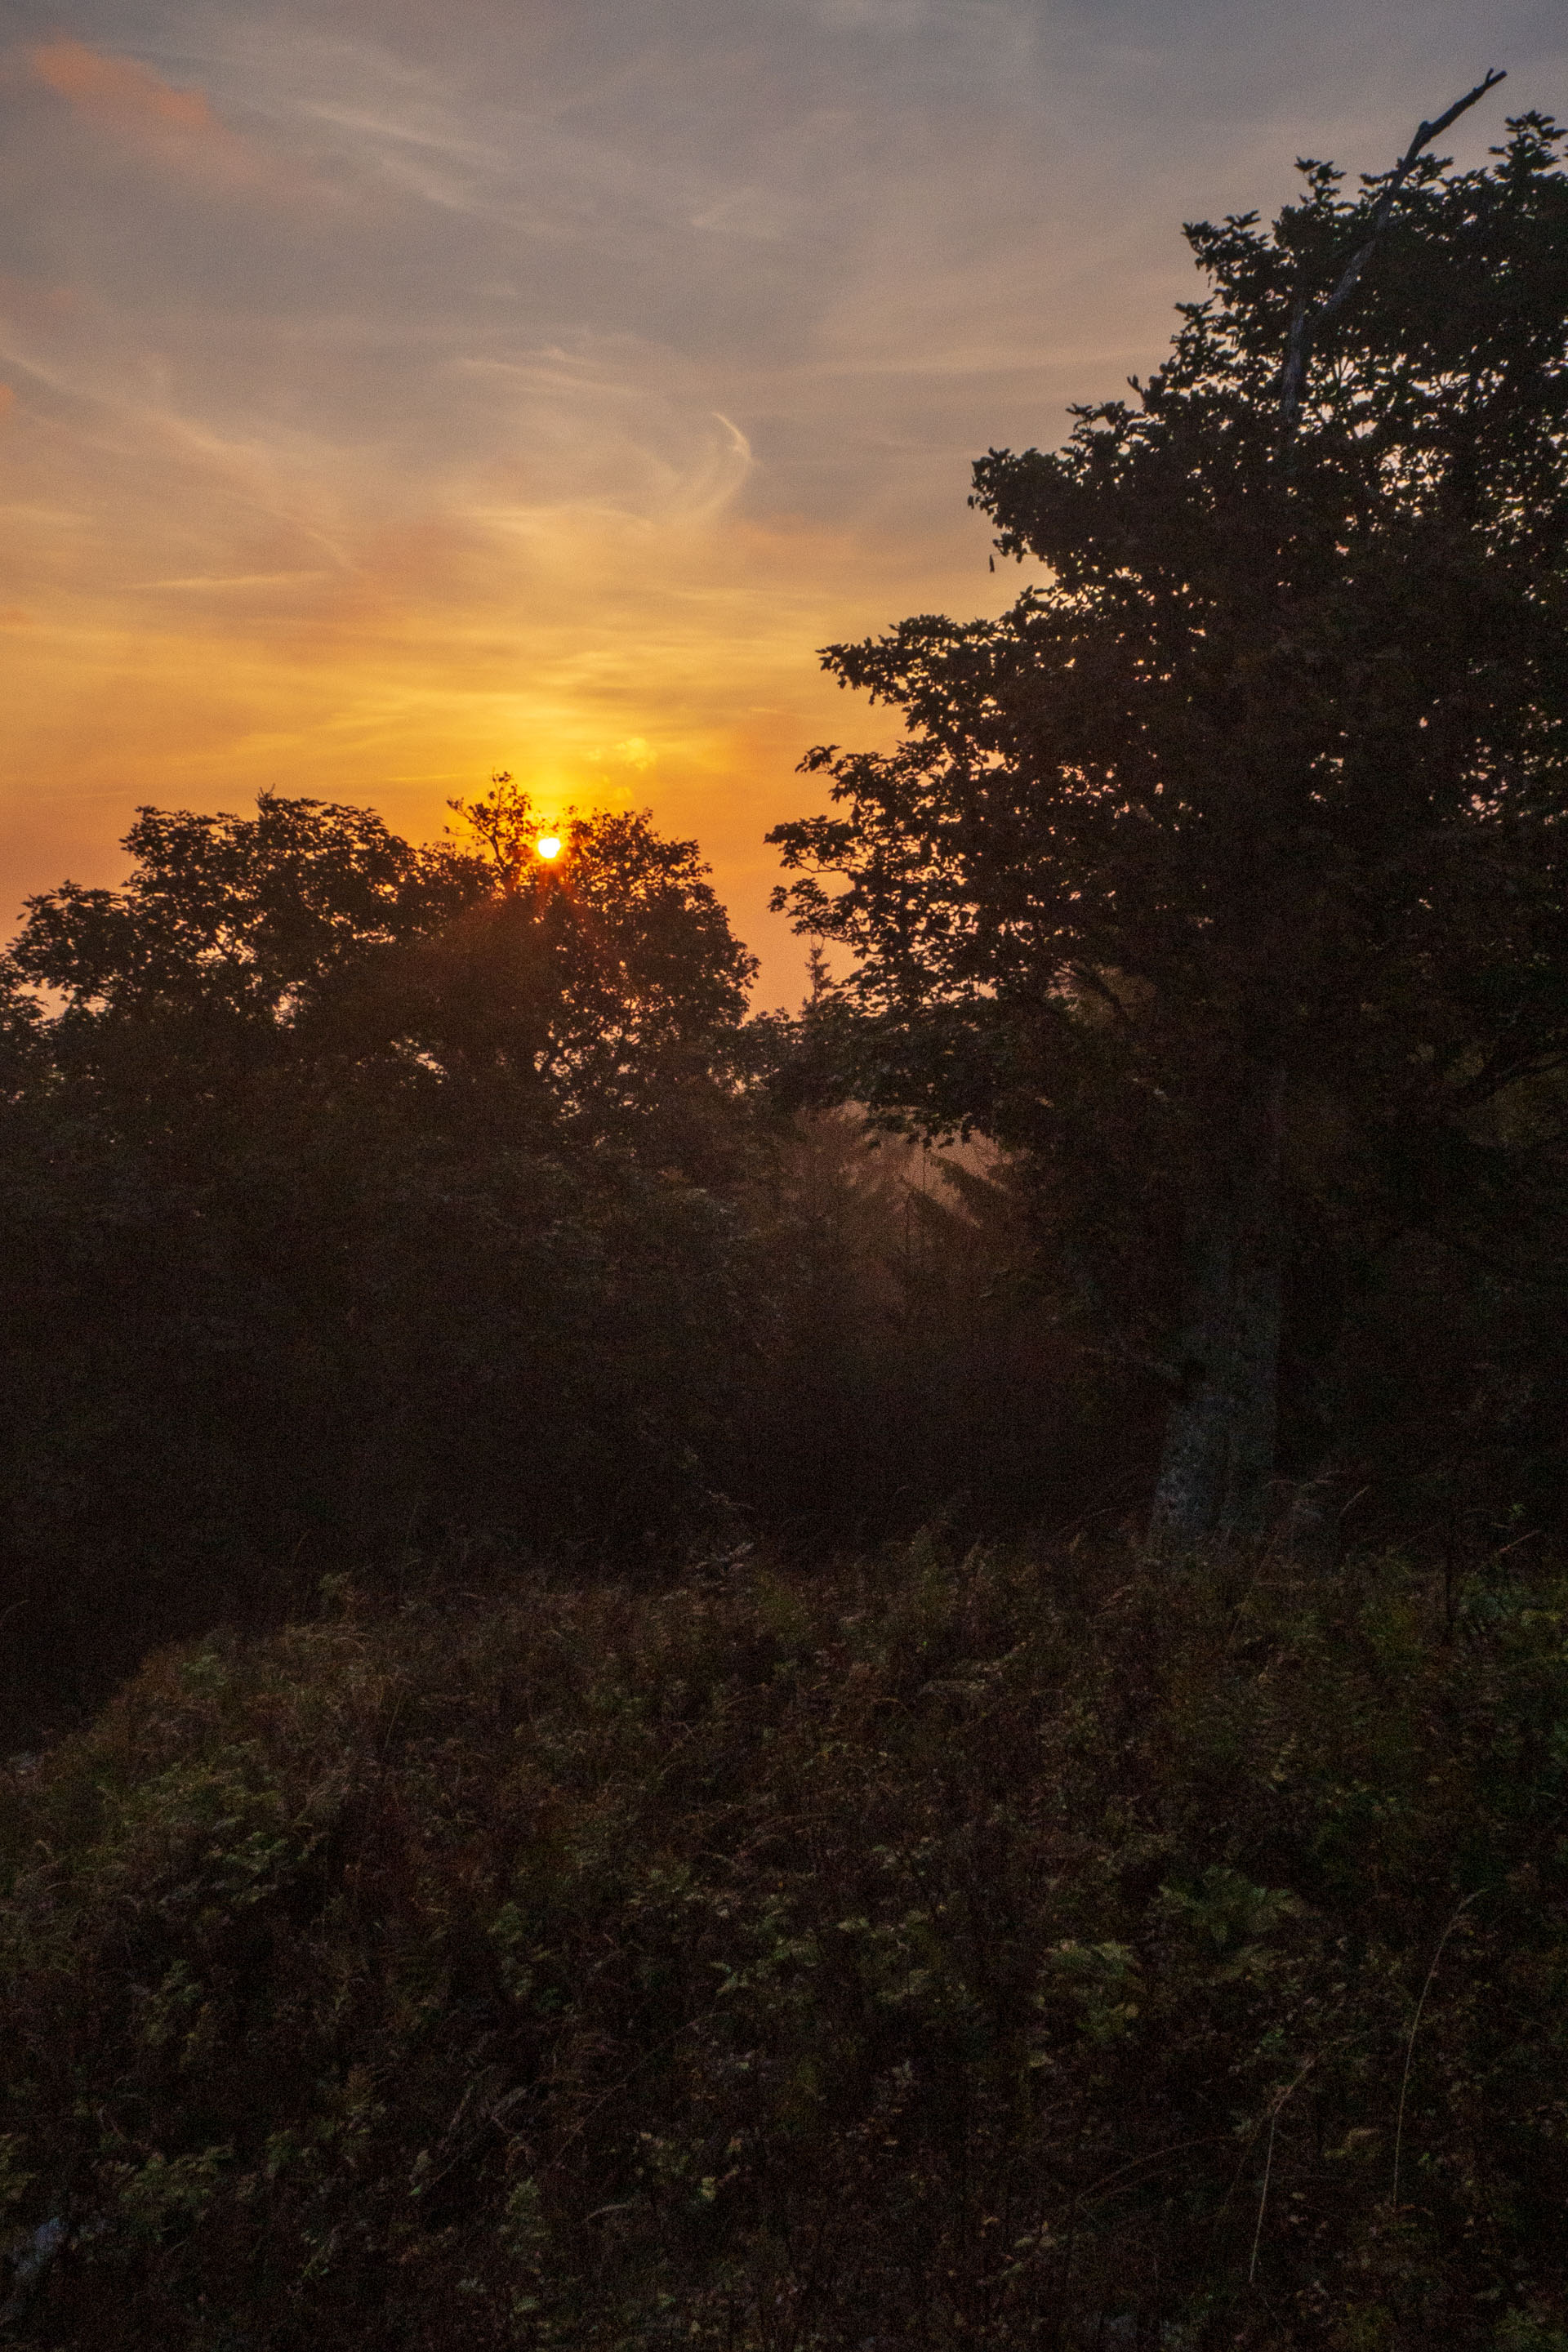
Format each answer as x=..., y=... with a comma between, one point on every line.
x=1304, y=324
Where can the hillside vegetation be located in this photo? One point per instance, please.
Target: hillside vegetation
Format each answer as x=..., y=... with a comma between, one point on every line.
x=1008, y=1949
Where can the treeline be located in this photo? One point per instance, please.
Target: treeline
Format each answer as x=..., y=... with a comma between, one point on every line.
x=362, y=1201
x=366, y=1203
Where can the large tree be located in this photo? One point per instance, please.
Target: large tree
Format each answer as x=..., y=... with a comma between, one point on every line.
x=1235, y=850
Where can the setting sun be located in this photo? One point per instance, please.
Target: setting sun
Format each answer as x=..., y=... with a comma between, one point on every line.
x=548, y=847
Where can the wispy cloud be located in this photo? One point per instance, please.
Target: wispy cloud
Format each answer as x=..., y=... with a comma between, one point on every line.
x=398, y=393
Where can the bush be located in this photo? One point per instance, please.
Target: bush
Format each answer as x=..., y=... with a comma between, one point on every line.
x=1011, y=1950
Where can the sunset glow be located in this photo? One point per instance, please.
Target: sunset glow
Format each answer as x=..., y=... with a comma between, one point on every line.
x=548, y=847
x=388, y=398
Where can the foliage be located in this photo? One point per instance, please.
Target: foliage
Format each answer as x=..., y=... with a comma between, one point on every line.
x=603, y=993
x=352, y=1194
x=237, y=915
x=1019, y=1949
x=1280, y=728
x=1239, y=838
x=345, y=1182
x=310, y=939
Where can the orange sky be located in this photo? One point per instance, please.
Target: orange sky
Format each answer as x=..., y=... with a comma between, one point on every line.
x=391, y=395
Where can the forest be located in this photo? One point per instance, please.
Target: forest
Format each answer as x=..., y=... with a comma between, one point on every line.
x=889, y=1675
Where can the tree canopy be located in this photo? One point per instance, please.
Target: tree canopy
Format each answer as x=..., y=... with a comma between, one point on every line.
x=343, y=1180
x=310, y=933
x=354, y=1194
x=1244, y=828
x=238, y=915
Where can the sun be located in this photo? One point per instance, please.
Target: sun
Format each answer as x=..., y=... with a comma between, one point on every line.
x=548, y=847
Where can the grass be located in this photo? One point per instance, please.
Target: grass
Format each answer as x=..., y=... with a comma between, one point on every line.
x=1025, y=1949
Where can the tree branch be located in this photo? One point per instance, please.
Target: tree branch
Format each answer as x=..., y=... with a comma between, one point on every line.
x=1304, y=324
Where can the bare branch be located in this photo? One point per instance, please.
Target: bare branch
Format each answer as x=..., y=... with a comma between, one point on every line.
x=1304, y=323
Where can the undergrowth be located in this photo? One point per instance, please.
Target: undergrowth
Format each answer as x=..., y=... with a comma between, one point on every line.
x=1006, y=1950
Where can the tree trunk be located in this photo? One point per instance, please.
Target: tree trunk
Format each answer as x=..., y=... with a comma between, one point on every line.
x=1218, y=1457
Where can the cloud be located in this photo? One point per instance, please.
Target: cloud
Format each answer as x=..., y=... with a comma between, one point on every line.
x=118, y=90
x=175, y=128
x=406, y=392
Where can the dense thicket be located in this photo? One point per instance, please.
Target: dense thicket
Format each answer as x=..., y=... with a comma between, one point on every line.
x=1017, y=1951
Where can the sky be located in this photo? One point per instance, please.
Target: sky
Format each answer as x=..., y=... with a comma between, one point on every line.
x=393, y=391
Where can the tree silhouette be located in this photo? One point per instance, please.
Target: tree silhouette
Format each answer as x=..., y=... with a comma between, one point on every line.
x=347, y=1186
x=1229, y=861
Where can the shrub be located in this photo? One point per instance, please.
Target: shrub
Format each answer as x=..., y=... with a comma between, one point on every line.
x=1013, y=1949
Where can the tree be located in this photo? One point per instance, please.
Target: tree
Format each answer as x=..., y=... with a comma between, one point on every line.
x=1227, y=867
x=347, y=1187
x=236, y=915
x=603, y=987
x=310, y=938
